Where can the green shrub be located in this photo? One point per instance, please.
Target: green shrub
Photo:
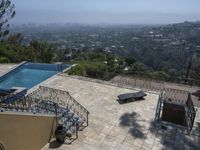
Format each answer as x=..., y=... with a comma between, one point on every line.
x=4, y=60
x=77, y=70
x=160, y=75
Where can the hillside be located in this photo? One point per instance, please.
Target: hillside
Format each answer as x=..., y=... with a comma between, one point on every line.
x=166, y=48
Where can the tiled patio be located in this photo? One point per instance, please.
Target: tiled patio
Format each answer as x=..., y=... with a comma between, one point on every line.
x=120, y=126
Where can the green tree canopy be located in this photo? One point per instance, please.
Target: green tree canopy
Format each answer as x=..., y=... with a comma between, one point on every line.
x=130, y=61
x=44, y=50
x=6, y=12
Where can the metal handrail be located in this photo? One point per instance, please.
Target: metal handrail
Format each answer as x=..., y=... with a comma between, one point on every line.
x=71, y=98
x=24, y=105
x=62, y=98
x=44, y=105
x=159, y=107
x=3, y=98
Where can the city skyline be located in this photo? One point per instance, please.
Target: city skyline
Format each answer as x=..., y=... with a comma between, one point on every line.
x=106, y=11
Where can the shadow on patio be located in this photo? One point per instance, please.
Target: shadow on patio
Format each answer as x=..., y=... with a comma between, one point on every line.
x=54, y=144
x=131, y=121
x=175, y=138
x=197, y=94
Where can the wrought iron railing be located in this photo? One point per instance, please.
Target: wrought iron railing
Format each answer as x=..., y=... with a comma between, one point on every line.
x=32, y=105
x=38, y=106
x=55, y=102
x=62, y=98
x=141, y=83
x=69, y=120
x=3, y=98
x=13, y=97
x=159, y=107
x=181, y=98
x=175, y=95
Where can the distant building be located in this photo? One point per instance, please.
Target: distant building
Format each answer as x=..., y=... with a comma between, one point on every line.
x=126, y=68
x=68, y=57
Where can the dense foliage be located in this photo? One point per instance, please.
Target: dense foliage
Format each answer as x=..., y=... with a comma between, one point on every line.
x=102, y=65
x=14, y=52
x=165, y=48
x=160, y=53
x=95, y=64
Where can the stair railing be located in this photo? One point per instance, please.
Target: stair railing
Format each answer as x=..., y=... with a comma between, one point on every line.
x=62, y=98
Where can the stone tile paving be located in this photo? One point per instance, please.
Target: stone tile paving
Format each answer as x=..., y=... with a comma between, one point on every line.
x=5, y=67
x=114, y=126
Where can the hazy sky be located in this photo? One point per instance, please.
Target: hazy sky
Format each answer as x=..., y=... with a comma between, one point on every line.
x=106, y=11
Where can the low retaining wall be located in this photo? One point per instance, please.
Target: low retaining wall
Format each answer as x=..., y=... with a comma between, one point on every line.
x=25, y=132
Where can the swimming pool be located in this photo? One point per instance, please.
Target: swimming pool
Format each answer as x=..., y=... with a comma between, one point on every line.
x=29, y=75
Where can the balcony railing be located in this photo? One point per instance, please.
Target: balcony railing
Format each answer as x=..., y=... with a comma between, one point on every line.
x=62, y=98
x=49, y=101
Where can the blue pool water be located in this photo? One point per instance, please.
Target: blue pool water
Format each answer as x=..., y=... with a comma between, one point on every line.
x=27, y=76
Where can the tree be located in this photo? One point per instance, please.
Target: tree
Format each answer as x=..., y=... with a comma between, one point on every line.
x=4, y=60
x=6, y=12
x=16, y=53
x=139, y=69
x=130, y=61
x=15, y=38
x=160, y=75
x=44, y=50
x=78, y=70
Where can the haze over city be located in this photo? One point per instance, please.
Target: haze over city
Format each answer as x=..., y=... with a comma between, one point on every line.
x=106, y=11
